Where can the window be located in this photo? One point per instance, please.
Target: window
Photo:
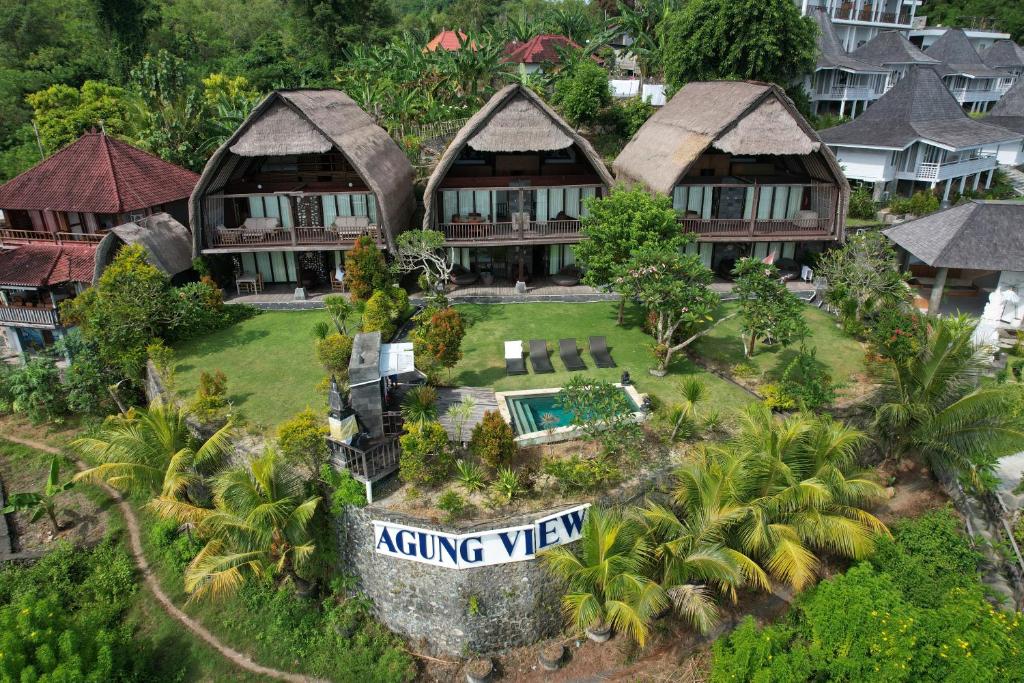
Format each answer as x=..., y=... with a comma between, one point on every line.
x=75, y=222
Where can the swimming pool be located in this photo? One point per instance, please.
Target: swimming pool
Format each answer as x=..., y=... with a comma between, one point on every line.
x=536, y=417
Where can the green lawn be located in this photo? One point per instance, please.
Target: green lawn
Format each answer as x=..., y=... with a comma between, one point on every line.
x=270, y=362
x=842, y=354
x=488, y=326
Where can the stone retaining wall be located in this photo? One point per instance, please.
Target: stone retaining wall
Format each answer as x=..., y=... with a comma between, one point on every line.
x=459, y=612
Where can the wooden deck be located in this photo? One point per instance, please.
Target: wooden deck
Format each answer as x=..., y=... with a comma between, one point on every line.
x=448, y=397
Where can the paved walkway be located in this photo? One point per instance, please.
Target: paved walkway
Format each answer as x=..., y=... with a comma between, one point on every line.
x=135, y=545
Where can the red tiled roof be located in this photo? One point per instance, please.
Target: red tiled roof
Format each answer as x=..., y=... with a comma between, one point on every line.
x=98, y=174
x=39, y=265
x=539, y=49
x=450, y=40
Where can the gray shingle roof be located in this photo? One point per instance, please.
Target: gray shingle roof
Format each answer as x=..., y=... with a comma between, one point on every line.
x=1009, y=110
x=958, y=56
x=983, y=235
x=831, y=54
x=1004, y=54
x=891, y=47
x=918, y=107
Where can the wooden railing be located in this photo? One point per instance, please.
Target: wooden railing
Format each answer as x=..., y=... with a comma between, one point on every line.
x=739, y=227
x=248, y=237
x=394, y=423
x=553, y=228
x=369, y=465
x=10, y=235
x=529, y=230
x=27, y=315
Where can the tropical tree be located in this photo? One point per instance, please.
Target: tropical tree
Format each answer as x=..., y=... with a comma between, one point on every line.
x=693, y=391
x=422, y=251
x=864, y=276
x=150, y=451
x=258, y=527
x=339, y=309
x=932, y=407
x=768, y=310
x=42, y=502
x=606, y=576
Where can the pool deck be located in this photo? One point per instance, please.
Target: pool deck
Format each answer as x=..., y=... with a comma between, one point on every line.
x=558, y=433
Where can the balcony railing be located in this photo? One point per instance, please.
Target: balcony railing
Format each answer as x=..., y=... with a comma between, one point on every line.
x=289, y=237
x=11, y=236
x=510, y=231
x=27, y=315
x=849, y=12
x=747, y=228
x=976, y=95
x=953, y=169
x=846, y=92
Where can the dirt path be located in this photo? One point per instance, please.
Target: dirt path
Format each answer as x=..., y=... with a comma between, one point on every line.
x=132, y=523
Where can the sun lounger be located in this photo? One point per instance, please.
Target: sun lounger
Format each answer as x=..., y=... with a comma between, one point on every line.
x=514, y=363
x=539, y=356
x=599, y=352
x=570, y=355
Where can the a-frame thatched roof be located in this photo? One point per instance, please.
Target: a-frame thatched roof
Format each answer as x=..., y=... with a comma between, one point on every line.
x=736, y=117
x=515, y=119
x=315, y=121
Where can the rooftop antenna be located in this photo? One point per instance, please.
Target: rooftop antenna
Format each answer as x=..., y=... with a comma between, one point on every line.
x=39, y=141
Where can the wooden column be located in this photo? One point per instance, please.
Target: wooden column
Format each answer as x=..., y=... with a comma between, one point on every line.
x=936, y=298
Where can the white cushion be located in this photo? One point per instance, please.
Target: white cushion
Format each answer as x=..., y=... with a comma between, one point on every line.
x=261, y=223
x=513, y=349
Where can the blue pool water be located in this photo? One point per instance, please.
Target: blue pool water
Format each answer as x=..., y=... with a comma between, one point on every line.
x=541, y=412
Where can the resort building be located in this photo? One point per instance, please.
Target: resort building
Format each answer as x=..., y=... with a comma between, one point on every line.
x=540, y=53
x=980, y=36
x=840, y=83
x=306, y=174
x=746, y=173
x=891, y=51
x=57, y=212
x=858, y=21
x=1009, y=114
x=1008, y=56
x=509, y=190
x=974, y=84
x=917, y=136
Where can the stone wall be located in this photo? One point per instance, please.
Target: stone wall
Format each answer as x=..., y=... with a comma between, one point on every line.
x=459, y=612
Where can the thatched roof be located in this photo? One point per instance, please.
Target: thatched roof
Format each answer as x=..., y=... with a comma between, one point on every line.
x=983, y=235
x=315, y=121
x=919, y=107
x=515, y=119
x=831, y=53
x=891, y=48
x=958, y=56
x=737, y=117
x=167, y=242
x=1009, y=110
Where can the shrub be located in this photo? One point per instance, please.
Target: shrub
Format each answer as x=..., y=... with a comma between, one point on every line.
x=35, y=389
x=384, y=310
x=920, y=204
x=425, y=458
x=470, y=475
x=438, y=339
x=335, y=352
x=420, y=405
x=807, y=382
x=776, y=398
x=452, y=504
x=366, y=271
x=211, y=399
x=345, y=490
x=895, y=334
x=582, y=92
x=862, y=205
x=302, y=441
x=174, y=549
x=321, y=329
x=198, y=309
x=635, y=112
x=582, y=475
x=493, y=441
x=507, y=485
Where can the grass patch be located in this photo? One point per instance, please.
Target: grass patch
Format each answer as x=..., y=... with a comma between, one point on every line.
x=840, y=353
x=488, y=325
x=270, y=361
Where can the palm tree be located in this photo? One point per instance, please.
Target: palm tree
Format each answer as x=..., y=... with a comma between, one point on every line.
x=420, y=405
x=259, y=526
x=694, y=392
x=606, y=576
x=150, y=451
x=42, y=502
x=933, y=408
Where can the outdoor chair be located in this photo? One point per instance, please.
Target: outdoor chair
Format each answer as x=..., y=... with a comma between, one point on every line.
x=570, y=355
x=539, y=356
x=514, y=363
x=599, y=352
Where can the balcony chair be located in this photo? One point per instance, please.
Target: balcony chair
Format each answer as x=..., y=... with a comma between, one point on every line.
x=350, y=227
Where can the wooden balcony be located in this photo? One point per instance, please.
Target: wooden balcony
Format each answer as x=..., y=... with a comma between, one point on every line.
x=29, y=316
x=511, y=232
x=233, y=240
x=730, y=230
x=11, y=236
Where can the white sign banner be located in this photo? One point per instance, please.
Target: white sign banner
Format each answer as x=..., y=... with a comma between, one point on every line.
x=494, y=546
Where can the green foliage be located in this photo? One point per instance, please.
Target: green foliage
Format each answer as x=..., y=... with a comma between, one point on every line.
x=493, y=441
x=35, y=390
x=1002, y=16
x=775, y=397
x=211, y=399
x=507, y=485
x=920, y=204
x=807, y=381
x=583, y=475
x=864, y=277
x=339, y=308
x=470, y=475
x=62, y=113
x=420, y=405
x=321, y=329
x=365, y=269
x=302, y=441
x=437, y=340
x=702, y=42
x=335, y=352
x=768, y=310
x=43, y=502
x=422, y=251
x=345, y=489
x=602, y=411
x=384, y=310
x=426, y=459
x=895, y=334
x=172, y=547
x=861, y=204
x=581, y=92
x=199, y=309
x=635, y=112
x=452, y=504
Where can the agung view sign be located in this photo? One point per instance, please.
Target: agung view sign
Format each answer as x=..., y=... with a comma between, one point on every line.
x=494, y=546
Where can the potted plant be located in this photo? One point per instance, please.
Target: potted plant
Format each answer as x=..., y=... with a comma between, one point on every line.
x=479, y=670
x=551, y=656
x=599, y=631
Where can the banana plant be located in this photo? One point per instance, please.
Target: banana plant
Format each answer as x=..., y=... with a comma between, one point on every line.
x=42, y=502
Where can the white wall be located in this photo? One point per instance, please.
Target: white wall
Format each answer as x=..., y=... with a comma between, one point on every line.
x=1007, y=153
x=865, y=164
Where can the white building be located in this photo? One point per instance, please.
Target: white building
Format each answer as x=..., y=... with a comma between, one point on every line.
x=891, y=51
x=858, y=21
x=974, y=84
x=1009, y=114
x=840, y=83
x=1008, y=56
x=917, y=136
x=980, y=38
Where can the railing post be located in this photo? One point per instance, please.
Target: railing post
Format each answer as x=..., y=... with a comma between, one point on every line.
x=753, y=208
